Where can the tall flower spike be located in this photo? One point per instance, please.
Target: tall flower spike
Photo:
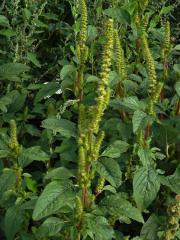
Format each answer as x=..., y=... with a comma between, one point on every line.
x=167, y=36
x=143, y=4
x=120, y=60
x=150, y=63
x=103, y=88
x=14, y=145
x=173, y=221
x=13, y=135
x=83, y=27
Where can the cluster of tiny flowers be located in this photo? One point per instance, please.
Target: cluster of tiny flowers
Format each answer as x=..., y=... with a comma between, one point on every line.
x=14, y=145
x=173, y=221
x=82, y=50
x=103, y=88
x=120, y=60
x=150, y=63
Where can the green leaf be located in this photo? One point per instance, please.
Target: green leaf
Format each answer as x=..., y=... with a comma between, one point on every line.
x=172, y=181
x=92, y=33
x=177, y=88
x=110, y=170
x=33, y=58
x=67, y=70
x=4, y=153
x=7, y=32
x=146, y=156
x=47, y=90
x=13, y=221
x=92, y=78
x=177, y=68
x=7, y=180
x=27, y=13
x=118, y=207
x=131, y=103
x=31, y=154
x=60, y=173
x=11, y=71
x=65, y=127
x=4, y=102
x=55, y=196
x=166, y=9
x=17, y=100
x=97, y=227
x=115, y=149
x=177, y=47
x=50, y=227
x=31, y=184
x=121, y=15
x=4, y=21
x=145, y=186
x=150, y=228
x=138, y=120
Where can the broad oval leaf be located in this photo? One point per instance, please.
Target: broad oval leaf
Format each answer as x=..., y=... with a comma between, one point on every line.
x=60, y=173
x=65, y=127
x=115, y=149
x=11, y=71
x=145, y=186
x=150, y=228
x=67, y=70
x=47, y=90
x=7, y=181
x=13, y=221
x=138, y=120
x=119, y=207
x=110, y=170
x=55, y=196
x=32, y=154
x=50, y=227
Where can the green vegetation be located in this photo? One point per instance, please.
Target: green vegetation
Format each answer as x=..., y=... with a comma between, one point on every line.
x=89, y=120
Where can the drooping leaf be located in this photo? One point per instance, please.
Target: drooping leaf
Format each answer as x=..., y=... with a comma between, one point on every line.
x=177, y=47
x=4, y=21
x=177, y=88
x=11, y=71
x=172, y=181
x=150, y=228
x=145, y=186
x=60, y=173
x=132, y=103
x=110, y=170
x=177, y=68
x=97, y=227
x=47, y=90
x=121, y=15
x=13, y=221
x=119, y=207
x=7, y=180
x=138, y=120
x=67, y=70
x=115, y=149
x=31, y=154
x=65, y=127
x=33, y=58
x=55, y=196
x=146, y=156
x=4, y=102
x=50, y=227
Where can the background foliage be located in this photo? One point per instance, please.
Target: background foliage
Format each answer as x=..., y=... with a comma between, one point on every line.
x=132, y=190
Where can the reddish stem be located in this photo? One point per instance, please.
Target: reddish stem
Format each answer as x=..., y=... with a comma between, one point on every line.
x=162, y=94
x=84, y=198
x=147, y=131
